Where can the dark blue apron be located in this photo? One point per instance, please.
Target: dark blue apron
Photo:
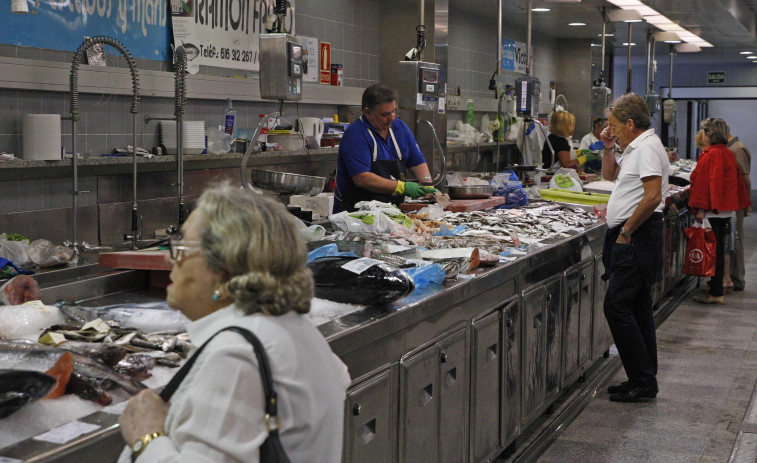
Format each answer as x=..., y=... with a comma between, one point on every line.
x=390, y=169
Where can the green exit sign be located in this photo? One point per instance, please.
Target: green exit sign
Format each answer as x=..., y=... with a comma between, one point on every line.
x=716, y=77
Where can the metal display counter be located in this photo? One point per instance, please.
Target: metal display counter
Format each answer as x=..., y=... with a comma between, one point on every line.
x=452, y=373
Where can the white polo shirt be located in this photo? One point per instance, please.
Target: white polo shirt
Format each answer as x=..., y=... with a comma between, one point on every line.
x=643, y=157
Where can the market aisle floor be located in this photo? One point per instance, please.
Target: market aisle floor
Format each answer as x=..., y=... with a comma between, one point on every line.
x=707, y=374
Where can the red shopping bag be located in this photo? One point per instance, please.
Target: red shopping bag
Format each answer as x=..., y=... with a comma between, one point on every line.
x=700, y=251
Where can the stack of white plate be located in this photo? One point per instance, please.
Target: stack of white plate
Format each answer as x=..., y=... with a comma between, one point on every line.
x=193, y=136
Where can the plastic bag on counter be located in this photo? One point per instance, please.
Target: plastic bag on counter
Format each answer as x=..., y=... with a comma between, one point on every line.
x=45, y=254
x=218, y=141
x=372, y=222
x=329, y=250
x=508, y=185
x=566, y=179
x=15, y=251
x=424, y=275
x=432, y=211
x=468, y=135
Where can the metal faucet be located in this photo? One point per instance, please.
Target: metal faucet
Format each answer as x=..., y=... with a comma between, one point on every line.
x=74, y=97
x=180, y=106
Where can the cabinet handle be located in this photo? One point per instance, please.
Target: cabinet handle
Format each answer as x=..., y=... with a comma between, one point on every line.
x=510, y=322
x=583, y=276
x=356, y=409
x=443, y=357
x=549, y=297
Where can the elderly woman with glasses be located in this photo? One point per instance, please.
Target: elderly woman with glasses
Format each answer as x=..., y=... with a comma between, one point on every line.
x=717, y=189
x=239, y=261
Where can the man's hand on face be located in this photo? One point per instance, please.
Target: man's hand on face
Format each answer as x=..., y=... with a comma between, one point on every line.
x=608, y=138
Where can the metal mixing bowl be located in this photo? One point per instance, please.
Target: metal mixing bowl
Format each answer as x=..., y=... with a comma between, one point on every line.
x=470, y=191
x=286, y=183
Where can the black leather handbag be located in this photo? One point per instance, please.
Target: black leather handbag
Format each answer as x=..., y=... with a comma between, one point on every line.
x=271, y=451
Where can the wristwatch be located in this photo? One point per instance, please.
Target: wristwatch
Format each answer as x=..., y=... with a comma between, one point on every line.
x=623, y=232
x=141, y=443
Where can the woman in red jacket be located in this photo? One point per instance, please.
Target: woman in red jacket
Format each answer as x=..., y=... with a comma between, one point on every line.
x=717, y=190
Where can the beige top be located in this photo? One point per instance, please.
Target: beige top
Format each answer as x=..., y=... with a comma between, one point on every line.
x=743, y=157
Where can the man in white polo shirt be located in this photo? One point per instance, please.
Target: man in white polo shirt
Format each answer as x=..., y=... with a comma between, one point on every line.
x=633, y=247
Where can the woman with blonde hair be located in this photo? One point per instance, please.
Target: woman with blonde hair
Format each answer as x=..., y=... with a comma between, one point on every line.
x=239, y=262
x=562, y=124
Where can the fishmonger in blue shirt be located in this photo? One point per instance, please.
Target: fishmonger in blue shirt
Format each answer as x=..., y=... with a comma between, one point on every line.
x=375, y=154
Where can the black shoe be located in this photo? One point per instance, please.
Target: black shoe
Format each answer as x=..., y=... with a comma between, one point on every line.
x=635, y=394
x=622, y=387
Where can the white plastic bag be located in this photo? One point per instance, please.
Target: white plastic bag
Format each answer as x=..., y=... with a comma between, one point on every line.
x=566, y=179
x=536, y=138
x=371, y=222
x=15, y=251
x=45, y=254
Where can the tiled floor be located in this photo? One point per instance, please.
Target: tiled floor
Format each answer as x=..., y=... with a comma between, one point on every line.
x=707, y=374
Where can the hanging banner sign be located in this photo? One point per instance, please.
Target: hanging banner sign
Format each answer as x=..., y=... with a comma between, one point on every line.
x=513, y=56
x=140, y=25
x=325, y=70
x=223, y=33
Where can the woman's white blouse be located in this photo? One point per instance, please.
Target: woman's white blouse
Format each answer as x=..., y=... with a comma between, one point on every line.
x=217, y=414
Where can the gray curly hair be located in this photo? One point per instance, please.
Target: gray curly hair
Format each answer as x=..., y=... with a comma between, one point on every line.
x=254, y=243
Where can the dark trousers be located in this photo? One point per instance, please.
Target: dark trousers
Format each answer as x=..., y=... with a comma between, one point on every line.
x=628, y=309
x=719, y=227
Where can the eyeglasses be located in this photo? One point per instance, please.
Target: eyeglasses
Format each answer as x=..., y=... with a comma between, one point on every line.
x=180, y=249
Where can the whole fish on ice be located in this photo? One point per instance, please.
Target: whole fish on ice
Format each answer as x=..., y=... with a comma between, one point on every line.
x=148, y=317
x=28, y=355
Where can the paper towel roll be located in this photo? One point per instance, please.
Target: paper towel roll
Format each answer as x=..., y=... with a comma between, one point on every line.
x=42, y=139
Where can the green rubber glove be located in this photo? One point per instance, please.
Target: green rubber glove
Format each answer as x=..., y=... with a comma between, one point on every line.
x=429, y=189
x=414, y=190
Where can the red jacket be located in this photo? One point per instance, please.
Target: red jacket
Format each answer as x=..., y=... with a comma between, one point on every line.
x=716, y=183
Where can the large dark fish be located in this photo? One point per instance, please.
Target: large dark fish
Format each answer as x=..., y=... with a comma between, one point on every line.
x=18, y=387
x=377, y=282
x=21, y=354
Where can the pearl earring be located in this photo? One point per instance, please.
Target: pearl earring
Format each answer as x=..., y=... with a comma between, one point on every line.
x=217, y=295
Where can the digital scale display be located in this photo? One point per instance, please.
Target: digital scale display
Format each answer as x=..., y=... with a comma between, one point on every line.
x=430, y=75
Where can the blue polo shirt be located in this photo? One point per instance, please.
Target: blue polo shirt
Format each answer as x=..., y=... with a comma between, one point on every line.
x=356, y=153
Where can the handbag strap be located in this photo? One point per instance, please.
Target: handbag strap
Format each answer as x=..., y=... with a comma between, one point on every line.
x=264, y=367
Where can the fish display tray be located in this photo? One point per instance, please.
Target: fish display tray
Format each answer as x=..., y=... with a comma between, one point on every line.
x=460, y=205
x=574, y=197
x=149, y=259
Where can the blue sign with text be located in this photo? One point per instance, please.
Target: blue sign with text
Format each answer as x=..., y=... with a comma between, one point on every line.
x=513, y=56
x=141, y=25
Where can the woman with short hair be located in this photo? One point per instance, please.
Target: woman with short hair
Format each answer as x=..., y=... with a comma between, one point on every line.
x=717, y=189
x=239, y=260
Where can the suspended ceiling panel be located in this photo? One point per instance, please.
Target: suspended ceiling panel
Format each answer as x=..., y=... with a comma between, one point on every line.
x=730, y=25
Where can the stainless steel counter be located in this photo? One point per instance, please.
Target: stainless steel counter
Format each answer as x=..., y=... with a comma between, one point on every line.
x=453, y=372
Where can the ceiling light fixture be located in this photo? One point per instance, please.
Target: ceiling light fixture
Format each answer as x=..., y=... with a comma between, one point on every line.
x=606, y=35
x=625, y=44
x=540, y=10
x=576, y=24
x=626, y=16
x=745, y=52
x=667, y=37
x=751, y=57
x=687, y=47
x=623, y=3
